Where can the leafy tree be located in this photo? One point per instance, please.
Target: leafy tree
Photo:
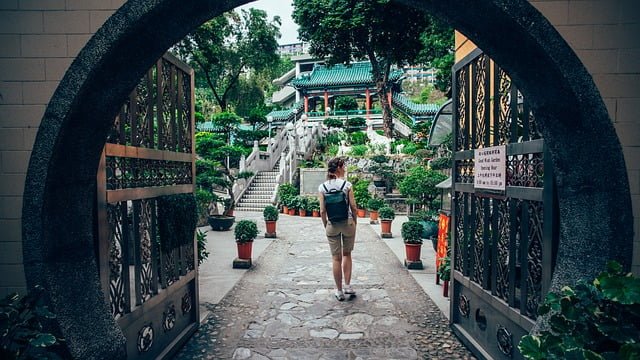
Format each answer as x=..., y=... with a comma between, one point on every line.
x=343, y=31
x=420, y=184
x=346, y=103
x=438, y=51
x=224, y=47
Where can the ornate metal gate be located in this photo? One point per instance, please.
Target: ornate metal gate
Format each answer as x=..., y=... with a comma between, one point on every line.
x=152, y=288
x=504, y=240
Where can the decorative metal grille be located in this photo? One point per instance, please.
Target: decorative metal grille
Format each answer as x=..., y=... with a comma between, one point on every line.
x=117, y=276
x=127, y=173
x=503, y=241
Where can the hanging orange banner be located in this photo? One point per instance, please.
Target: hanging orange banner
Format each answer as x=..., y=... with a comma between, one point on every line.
x=443, y=234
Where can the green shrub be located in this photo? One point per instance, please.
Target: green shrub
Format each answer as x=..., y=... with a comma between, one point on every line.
x=333, y=123
x=387, y=213
x=374, y=204
x=441, y=163
x=409, y=149
x=444, y=270
x=346, y=103
x=245, y=231
x=420, y=185
x=270, y=213
x=358, y=138
x=314, y=203
x=333, y=150
x=203, y=254
x=361, y=193
x=359, y=150
x=597, y=320
x=355, y=124
x=21, y=331
x=286, y=192
x=411, y=232
x=333, y=139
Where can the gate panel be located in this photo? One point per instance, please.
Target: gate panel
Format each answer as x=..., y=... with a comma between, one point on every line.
x=503, y=240
x=152, y=290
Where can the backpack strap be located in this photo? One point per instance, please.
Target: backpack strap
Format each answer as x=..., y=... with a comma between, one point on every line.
x=325, y=187
x=343, y=184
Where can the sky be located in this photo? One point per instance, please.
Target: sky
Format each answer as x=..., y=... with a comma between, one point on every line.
x=282, y=8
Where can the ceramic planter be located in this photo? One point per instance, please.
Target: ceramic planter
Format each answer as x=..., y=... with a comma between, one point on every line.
x=244, y=250
x=271, y=228
x=413, y=252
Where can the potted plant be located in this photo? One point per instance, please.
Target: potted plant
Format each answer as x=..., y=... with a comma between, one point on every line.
x=429, y=221
x=303, y=204
x=382, y=172
x=294, y=204
x=374, y=204
x=444, y=274
x=412, y=238
x=387, y=214
x=245, y=232
x=362, y=196
x=314, y=206
x=285, y=192
x=270, y=214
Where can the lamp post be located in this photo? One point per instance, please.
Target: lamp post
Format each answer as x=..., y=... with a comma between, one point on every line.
x=269, y=121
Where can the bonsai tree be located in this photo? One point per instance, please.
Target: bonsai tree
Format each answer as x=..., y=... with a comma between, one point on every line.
x=411, y=232
x=270, y=213
x=420, y=185
x=387, y=213
x=245, y=231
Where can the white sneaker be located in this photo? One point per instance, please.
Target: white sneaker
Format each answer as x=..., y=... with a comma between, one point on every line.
x=349, y=290
x=339, y=295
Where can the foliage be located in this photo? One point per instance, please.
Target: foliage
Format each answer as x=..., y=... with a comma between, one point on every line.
x=375, y=203
x=598, y=320
x=314, y=203
x=444, y=270
x=358, y=138
x=177, y=220
x=341, y=31
x=257, y=117
x=333, y=123
x=21, y=331
x=333, y=138
x=298, y=202
x=441, y=163
x=359, y=150
x=224, y=47
x=354, y=124
x=361, y=193
x=387, y=213
x=438, y=51
x=226, y=123
x=424, y=215
x=380, y=159
x=346, y=103
x=409, y=149
x=286, y=192
x=309, y=164
x=422, y=154
x=333, y=150
x=270, y=213
x=245, y=231
x=203, y=199
x=420, y=184
x=412, y=232
x=247, y=137
x=203, y=254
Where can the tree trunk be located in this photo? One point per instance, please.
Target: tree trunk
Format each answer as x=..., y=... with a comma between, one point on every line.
x=387, y=118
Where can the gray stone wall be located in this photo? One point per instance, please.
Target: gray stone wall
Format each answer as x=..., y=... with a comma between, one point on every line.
x=39, y=39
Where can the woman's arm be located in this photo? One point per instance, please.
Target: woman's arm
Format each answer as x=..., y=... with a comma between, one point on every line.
x=323, y=210
x=352, y=205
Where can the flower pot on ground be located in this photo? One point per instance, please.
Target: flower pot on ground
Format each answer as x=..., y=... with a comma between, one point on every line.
x=245, y=232
x=387, y=214
x=361, y=195
x=270, y=214
x=314, y=206
x=361, y=213
x=221, y=222
x=411, y=235
x=374, y=204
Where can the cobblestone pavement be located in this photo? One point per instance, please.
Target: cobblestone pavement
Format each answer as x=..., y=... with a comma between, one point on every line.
x=284, y=307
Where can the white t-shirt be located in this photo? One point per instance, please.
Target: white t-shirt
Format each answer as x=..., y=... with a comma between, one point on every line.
x=337, y=184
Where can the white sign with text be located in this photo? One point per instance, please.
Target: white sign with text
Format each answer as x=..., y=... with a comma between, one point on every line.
x=490, y=168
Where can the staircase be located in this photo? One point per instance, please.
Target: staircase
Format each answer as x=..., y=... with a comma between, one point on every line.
x=259, y=193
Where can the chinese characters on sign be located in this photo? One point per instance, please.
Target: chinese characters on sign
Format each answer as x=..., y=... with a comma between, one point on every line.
x=490, y=168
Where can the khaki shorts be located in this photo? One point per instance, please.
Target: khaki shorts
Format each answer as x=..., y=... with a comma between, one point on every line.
x=341, y=236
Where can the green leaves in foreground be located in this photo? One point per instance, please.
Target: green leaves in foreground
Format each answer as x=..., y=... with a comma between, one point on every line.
x=600, y=320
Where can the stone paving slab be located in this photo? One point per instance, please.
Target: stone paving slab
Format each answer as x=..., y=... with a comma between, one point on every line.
x=284, y=308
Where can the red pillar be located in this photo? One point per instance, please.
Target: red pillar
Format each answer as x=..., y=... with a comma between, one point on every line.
x=367, y=101
x=306, y=103
x=326, y=101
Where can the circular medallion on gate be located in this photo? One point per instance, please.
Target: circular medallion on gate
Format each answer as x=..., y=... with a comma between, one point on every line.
x=145, y=338
x=505, y=341
x=186, y=303
x=169, y=318
x=463, y=306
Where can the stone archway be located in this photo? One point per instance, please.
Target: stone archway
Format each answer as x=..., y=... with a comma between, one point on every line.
x=58, y=229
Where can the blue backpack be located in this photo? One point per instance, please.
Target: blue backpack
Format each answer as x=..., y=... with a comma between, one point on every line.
x=335, y=202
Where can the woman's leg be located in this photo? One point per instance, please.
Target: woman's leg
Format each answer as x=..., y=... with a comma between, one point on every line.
x=346, y=267
x=337, y=271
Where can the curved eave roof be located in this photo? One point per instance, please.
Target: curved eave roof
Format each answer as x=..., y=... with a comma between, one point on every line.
x=324, y=76
x=412, y=108
x=286, y=115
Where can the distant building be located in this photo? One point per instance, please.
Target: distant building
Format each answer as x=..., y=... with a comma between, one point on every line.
x=293, y=49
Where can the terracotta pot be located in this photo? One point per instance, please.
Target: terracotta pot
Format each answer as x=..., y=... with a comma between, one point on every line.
x=413, y=251
x=316, y=213
x=362, y=213
x=302, y=212
x=385, y=225
x=244, y=250
x=282, y=209
x=373, y=215
x=271, y=226
x=445, y=289
x=285, y=209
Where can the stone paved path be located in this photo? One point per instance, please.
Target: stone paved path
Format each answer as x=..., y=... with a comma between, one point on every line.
x=284, y=307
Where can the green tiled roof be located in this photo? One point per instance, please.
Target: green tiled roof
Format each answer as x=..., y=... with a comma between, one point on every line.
x=409, y=107
x=358, y=73
x=209, y=127
x=286, y=115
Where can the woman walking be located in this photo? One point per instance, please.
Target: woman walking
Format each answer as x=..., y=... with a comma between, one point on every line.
x=338, y=213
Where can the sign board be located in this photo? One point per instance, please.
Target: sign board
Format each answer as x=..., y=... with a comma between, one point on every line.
x=310, y=180
x=490, y=168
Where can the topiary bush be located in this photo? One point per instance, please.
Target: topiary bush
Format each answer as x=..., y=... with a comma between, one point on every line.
x=597, y=320
x=411, y=232
x=270, y=213
x=374, y=204
x=333, y=123
x=245, y=231
x=386, y=213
